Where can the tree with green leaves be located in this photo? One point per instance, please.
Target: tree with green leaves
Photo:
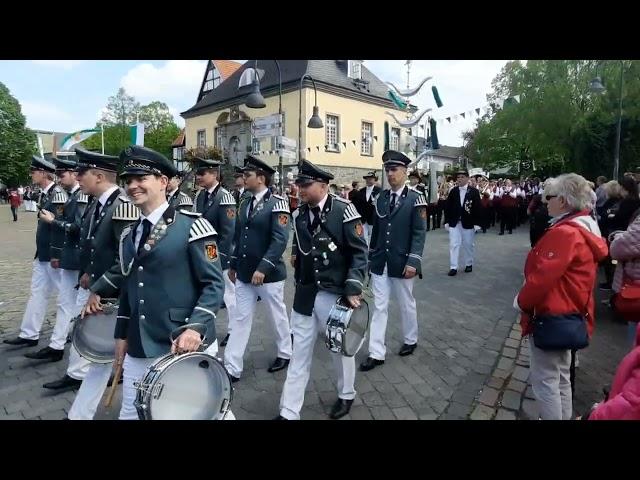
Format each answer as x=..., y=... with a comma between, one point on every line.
x=558, y=125
x=17, y=142
x=160, y=130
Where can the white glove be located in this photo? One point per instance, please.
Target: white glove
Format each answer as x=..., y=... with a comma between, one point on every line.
x=446, y=227
x=476, y=228
x=515, y=304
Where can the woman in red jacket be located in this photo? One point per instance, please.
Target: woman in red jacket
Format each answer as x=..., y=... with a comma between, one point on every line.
x=14, y=201
x=560, y=274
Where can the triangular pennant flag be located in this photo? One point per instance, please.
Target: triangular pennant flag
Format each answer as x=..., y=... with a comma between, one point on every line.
x=462, y=114
x=478, y=111
x=517, y=98
x=318, y=147
x=449, y=119
x=375, y=137
x=326, y=146
x=309, y=149
x=270, y=152
x=345, y=144
x=354, y=142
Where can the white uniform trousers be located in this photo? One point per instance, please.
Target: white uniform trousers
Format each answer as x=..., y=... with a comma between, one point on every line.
x=45, y=281
x=464, y=236
x=305, y=331
x=229, y=298
x=272, y=295
x=91, y=391
x=78, y=366
x=134, y=371
x=368, y=229
x=383, y=288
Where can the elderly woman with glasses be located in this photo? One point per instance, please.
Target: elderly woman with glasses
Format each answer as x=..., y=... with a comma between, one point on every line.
x=560, y=274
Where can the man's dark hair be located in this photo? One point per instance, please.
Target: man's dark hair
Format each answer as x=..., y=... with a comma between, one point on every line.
x=631, y=186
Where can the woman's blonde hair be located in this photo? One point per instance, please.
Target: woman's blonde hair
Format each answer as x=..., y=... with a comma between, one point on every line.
x=613, y=189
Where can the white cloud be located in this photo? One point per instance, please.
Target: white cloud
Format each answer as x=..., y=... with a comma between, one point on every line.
x=64, y=64
x=462, y=85
x=173, y=80
x=44, y=116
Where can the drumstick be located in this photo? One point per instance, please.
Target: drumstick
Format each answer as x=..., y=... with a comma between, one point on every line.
x=114, y=385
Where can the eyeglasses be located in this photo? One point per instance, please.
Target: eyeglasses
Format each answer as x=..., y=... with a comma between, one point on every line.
x=549, y=197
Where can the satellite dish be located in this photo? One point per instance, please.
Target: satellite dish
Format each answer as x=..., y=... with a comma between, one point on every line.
x=248, y=75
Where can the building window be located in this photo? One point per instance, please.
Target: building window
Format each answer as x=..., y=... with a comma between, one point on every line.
x=332, y=135
x=201, y=138
x=178, y=153
x=255, y=145
x=219, y=136
x=366, y=144
x=211, y=81
x=395, y=139
x=355, y=69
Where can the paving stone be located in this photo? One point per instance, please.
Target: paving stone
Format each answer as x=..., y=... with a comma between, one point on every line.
x=521, y=373
x=382, y=413
x=489, y=396
x=404, y=413
x=482, y=412
x=372, y=399
x=510, y=342
x=495, y=382
x=505, y=415
x=360, y=413
x=516, y=385
x=511, y=400
x=505, y=364
x=509, y=352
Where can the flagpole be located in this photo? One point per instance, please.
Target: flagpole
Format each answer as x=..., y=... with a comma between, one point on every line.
x=102, y=132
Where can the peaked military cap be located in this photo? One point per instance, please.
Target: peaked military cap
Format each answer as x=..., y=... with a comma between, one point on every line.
x=392, y=158
x=87, y=160
x=139, y=160
x=38, y=163
x=65, y=164
x=252, y=163
x=309, y=173
x=370, y=175
x=416, y=174
x=206, y=163
x=462, y=171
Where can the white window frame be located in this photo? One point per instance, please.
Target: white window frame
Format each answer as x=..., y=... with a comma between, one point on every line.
x=202, y=143
x=395, y=139
x=366, y=148
x=332, y=146
x=355, y=69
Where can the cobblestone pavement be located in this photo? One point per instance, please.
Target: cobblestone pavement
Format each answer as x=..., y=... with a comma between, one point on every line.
x=464, y=322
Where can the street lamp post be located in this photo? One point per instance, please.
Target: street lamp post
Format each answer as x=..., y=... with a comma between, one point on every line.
x=256, y=100
x=314, y=122
x=596, y=86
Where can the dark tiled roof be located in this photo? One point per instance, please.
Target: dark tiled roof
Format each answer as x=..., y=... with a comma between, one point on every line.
x=329, y=75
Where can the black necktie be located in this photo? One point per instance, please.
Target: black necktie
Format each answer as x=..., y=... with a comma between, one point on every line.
x=393, y=202
x=251, y=205
x=96, y=213
x=206, y=197
x=316, y=219
x=146, y=229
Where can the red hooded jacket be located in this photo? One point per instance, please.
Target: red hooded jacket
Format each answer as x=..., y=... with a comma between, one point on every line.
x=560, y=271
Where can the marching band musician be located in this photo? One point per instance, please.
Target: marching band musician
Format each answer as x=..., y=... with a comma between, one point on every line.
x=395, y=256
x=100, y=273
x=163, y=244
x=45, y=277
x=330, y=259
x=177, y=199
x=218, y=206
x=66, y=238
x=261, y=236
x=364, y=202
x=462, y=216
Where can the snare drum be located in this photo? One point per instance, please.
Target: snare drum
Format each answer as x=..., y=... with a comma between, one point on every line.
x=347, y=327
x=93, y=337
x=191, y=386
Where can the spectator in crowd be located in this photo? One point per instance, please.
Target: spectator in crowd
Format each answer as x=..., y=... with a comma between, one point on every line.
x=355, y=186
x=614, y=194
x=601, y=194
x=629, y=204
x=14, y=202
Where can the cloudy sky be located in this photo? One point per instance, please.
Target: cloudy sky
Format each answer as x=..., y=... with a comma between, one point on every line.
x=68, y=95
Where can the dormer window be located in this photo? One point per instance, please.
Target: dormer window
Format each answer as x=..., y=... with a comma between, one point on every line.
x=212, y=80
x=355, y=69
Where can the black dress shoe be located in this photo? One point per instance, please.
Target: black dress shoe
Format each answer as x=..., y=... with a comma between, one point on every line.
x=369, y=364
x=234, y=379
x=501, y=233
x=110, y=382
x=407, y=349
x=452, y=272
x=340, y=408
x=21, y=341
x=279, y=364
x=47, y=353
x=279, y=417
x=223, y=343
x=468, y=269
x=64, y=382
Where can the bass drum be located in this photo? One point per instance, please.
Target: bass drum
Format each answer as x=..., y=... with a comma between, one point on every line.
x=191, y=386
x=92, y=335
